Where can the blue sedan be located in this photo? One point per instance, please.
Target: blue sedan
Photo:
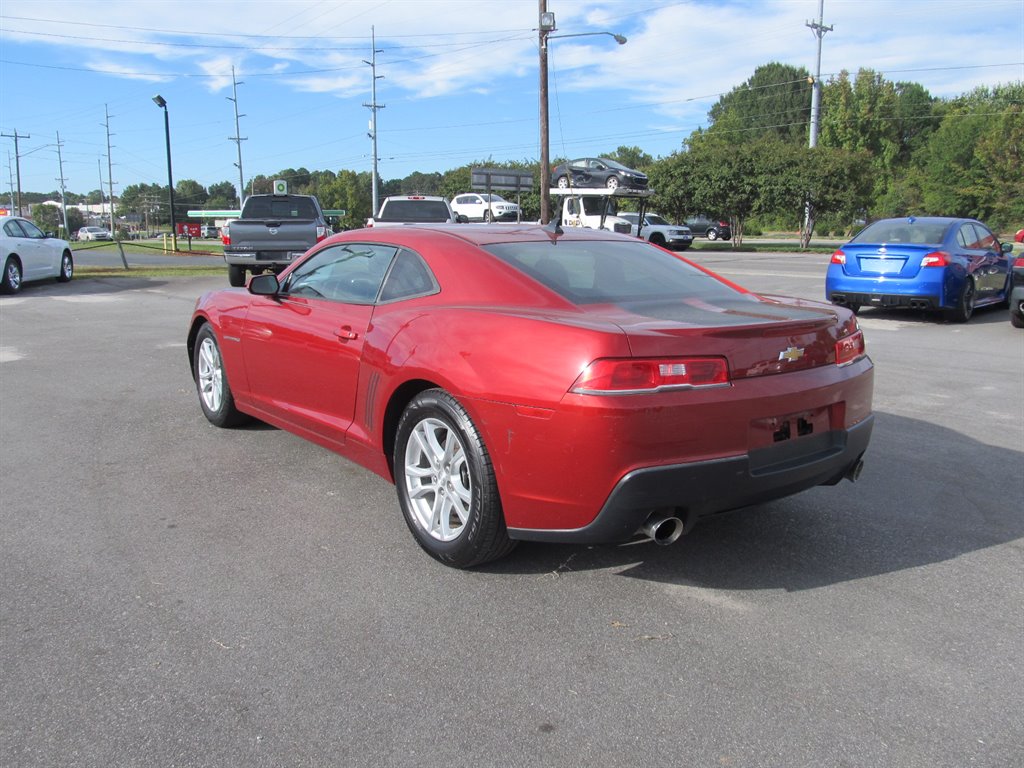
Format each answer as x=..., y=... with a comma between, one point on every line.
x=935, y=263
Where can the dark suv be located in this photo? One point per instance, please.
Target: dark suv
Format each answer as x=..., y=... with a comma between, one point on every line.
x=712, y=229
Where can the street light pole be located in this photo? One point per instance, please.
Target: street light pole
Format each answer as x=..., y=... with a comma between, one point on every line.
x=545, y=28
x=162, y=103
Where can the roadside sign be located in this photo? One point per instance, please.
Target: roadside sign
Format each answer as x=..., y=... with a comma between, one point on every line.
x=501, y=178
x=280, y=187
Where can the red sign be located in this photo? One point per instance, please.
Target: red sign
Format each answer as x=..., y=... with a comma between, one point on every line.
x=188, y=230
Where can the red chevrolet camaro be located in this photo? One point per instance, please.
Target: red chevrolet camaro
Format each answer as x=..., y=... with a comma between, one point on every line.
x=524, y=383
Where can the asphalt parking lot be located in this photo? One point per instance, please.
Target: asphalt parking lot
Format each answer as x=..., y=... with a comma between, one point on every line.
x=174, y=594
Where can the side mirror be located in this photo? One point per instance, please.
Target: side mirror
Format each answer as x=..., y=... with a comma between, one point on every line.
x=264, y=285
x=1007, y=247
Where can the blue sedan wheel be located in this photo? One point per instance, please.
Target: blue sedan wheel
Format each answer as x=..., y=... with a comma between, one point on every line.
x=964, y=308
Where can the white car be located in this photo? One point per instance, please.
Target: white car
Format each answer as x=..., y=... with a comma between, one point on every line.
x=485, y=207
x=94, y=233
x=29, y=254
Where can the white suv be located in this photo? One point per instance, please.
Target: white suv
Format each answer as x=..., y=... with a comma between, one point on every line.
x=485, y=207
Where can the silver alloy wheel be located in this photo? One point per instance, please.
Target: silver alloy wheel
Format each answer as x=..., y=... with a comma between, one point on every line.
x=563, y=182
x=211, y=375
x=612, y=183
x=13, y=275
x=438, y=480
x=66, y=267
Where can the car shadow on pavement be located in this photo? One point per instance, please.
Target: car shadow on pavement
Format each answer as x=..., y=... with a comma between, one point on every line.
x=928, y=494
x=85, y=286
x=988, y=315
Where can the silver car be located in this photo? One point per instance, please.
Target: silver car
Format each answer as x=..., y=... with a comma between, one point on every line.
x=30, y=254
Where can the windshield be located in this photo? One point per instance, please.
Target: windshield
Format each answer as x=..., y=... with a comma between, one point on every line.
x=611, y=272
x=653, y=218
x=493, y=198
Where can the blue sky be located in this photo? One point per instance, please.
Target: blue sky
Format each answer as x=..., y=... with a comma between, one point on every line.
x=460, y=77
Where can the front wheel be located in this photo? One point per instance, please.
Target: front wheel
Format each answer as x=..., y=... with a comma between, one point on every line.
x=11, y=280
x=487, y=217
x=964, y=308
x=563, y=182
x=612, y=183
x=67, y=268
x=212, y=383
x=446, y=484
x=236, y=276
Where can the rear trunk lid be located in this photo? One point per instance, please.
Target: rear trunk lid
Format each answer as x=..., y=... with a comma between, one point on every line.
x=900, y=260
x=758, y=336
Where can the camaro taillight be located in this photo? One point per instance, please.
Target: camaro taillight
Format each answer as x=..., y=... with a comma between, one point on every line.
x=850, y=348
x=839, y=257
x=321, y=233
x=620, y=377
x=936, y=259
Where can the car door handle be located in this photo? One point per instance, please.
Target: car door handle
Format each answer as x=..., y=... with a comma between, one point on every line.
x=345, y=333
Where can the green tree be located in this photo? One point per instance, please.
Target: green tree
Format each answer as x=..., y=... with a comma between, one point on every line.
x=775, y=100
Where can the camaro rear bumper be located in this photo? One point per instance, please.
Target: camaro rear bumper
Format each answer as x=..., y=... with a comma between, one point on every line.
x=704, y=488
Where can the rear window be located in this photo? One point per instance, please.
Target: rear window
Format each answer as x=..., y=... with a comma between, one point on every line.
x=606, y=272
x=279, y=208
x=416, y=210
x=903, y=231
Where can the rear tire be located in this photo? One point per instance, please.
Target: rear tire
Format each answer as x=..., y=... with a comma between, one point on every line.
x=964, y=308
x=446, y=484
x=562, y=182
x=1017, y=321
x=712, y=234
x=236, y=276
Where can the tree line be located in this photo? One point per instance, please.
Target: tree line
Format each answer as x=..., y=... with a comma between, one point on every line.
x=884, y=149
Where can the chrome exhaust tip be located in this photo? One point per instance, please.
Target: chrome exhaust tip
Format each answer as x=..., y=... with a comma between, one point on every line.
x=663, y=530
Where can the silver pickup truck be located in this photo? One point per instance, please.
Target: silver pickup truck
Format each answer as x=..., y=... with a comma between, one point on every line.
x=271, y=232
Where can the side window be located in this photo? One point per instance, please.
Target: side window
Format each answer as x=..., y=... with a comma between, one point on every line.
x=968, y=236
x=986, y=239
x=31, y=230
x=13, y=229
x=351, y=273
x=409, y=277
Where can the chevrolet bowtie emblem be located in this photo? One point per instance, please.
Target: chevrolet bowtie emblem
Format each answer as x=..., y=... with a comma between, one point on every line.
x=790, y=354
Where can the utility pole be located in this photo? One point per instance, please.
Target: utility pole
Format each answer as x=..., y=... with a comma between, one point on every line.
x=110, y=173
x=63, y=192
x=374, y=106
x=237, y=138
x=17, y=163
x=99, y=170
x=545, y=27
x=10, y=181
x=819, y=29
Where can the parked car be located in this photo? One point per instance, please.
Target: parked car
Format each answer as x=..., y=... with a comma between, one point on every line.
x=270, y=232
x=415, y=209
x=938, y=263
x=30, y=254
x=528, y=383
x=594, y=172
x=1017, y=292
x=711, y=228
x=485, y=207
x=94, y=233
x=659, y=231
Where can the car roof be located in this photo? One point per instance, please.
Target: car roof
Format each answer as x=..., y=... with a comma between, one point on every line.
x=475, y=234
